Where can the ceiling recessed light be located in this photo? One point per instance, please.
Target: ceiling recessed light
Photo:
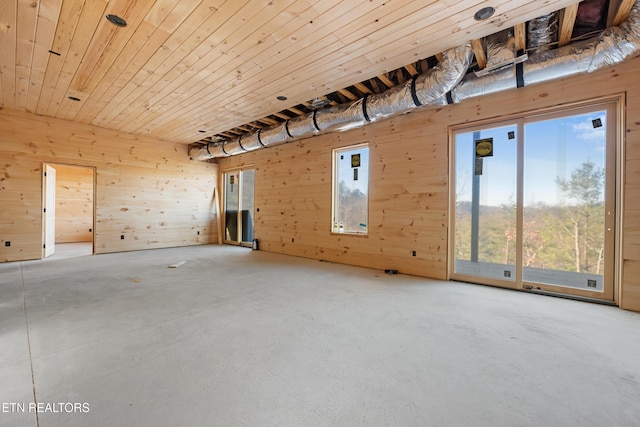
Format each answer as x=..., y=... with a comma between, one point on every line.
x=282, y=98
x=484, y=13
x=116, y=20
x=73, y=98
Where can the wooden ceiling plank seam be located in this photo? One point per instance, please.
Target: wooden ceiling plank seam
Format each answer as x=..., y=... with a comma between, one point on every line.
x=535, y=6
x=116, y=77
x=567, y=22
x=148, y=37
x=68, y=20
x=212, y=79
x=115, y=41
x=174, y=123
x=199, y=68
x=405, y=62
x=166, y=118
x=26, y=28
x=82, y=36
x=201, y=81
x=623, y=11
x=8, y=43
x=332, y=67
x=177, y=48
x=136, y=66
x=219, y=44
x=48, y=15
x=313, y=49
x=387, y=14
x=172, y=50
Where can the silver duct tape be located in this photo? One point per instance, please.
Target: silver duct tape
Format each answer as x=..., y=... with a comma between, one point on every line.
x=501, y=48
x=274, y=135
x=302, y=126
x=542, y=32
x=250, y=142
x=435, y=84
x=341, y=117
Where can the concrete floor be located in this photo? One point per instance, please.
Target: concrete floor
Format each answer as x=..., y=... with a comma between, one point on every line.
x=238, y=337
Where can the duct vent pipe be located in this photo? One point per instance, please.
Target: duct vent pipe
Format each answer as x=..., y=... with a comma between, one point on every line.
x=447, y=83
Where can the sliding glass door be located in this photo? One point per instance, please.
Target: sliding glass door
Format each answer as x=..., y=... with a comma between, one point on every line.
x=239, y=206
x=535, y=202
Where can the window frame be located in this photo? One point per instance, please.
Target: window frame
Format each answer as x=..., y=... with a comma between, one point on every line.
x=335, y=152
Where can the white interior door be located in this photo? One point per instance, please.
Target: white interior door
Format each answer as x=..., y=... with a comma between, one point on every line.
x=49, y=210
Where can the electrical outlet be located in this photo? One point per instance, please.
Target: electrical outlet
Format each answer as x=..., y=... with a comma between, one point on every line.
x=7, y=243
x=122, y=237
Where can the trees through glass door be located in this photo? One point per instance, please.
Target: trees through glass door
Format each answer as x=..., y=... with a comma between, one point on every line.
x=534, y=203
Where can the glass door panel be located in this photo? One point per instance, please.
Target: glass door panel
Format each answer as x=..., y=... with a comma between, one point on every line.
x=231, y=205
x=485, y=203
x=534, y=204
x=239, y=206
x=565, y=173
x=247, y=205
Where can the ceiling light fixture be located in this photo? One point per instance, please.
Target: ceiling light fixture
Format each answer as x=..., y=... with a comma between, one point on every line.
x=484, y=13
x=282, y=98
x=116, y=20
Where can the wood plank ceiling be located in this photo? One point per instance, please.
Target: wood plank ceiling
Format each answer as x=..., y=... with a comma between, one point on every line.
x=200, y=70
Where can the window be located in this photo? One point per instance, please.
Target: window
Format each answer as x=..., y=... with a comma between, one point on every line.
x=350, y=211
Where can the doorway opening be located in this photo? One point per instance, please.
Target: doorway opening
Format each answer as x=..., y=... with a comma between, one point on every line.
x=68, y=218
x=534, y=202
x=239, y=206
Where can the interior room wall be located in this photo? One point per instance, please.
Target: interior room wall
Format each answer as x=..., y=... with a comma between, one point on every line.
x=409, y=181
x=148, y=193
x=74, y=204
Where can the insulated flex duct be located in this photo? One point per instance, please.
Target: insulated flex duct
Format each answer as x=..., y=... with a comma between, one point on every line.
x=613, y=46
x=421, y=90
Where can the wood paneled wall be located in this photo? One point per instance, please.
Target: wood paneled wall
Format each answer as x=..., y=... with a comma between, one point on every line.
x=147, y=190
x=74, y=204
x=409, y=181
